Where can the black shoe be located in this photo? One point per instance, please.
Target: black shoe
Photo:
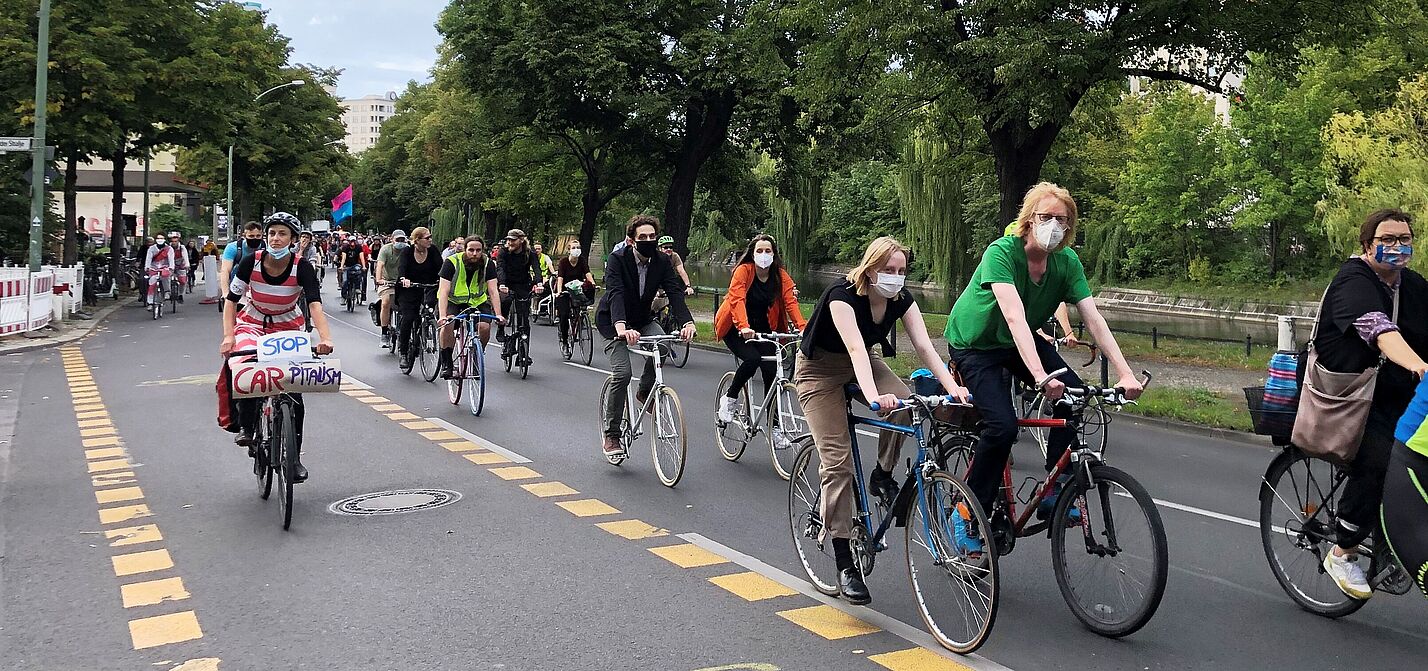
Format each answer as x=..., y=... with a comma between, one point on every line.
x=299, y=473
x=851, y=585
x=445, y=370
x=883, y=486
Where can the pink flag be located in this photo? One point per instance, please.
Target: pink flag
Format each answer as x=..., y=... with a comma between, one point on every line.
x=342, y=198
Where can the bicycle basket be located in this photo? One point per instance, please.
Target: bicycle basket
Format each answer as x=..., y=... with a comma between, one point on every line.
x=1271, y=415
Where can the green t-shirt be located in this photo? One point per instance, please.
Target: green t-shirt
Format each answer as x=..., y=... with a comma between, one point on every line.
x=390, y=259
x=976, y=321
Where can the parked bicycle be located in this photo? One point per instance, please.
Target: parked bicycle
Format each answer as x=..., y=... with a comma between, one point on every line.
x=668, y=441
x=1103, y=522
x=951, y=561
x=778, y=416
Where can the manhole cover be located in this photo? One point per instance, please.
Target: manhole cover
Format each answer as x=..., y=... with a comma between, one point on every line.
x=394, y=502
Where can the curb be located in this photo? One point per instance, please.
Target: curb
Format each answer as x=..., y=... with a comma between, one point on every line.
x=67, y=338
x=1230, y=435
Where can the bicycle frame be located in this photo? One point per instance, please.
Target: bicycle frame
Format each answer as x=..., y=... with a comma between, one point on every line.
x=771, y=395
x=637, y=415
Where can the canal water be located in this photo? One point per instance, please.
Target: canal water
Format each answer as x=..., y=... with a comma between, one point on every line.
x=940, y=302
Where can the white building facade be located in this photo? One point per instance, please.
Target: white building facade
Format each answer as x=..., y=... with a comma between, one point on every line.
x=363, y=118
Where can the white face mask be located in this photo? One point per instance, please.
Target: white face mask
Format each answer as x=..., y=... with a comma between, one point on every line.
x=763, y=259
x=1049, y=234
x=575, y=253
x=889, y=284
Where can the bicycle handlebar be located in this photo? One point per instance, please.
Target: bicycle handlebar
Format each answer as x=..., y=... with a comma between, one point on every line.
x=776, y=338
x=927, y=402
x=254, y=352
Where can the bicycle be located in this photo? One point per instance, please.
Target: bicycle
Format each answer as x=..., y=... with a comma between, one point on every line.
x=665, y=318
x=154, y=298
x=544, y=307
x=1297, y=525
x=779, y=409
x=1125, y=607
x=275, y=447
x=954, y=581
x=350, y=286
x=468, y=365
x=668, y=442
x=518, y=353
x=1030, y=403
x=423, y=348
x=579, y=343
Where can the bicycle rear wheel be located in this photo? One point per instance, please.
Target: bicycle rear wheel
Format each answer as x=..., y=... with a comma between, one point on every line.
x=604, y=421
x=732, y=437
x=1298, y=510
x=476, y=388
x=523, y=353
x=785, y=424
x=956, y=585
x=667, y=437
x=805, y=520
x=429, y=350
x=284, y=455
x=262, y=468
x=1112, y=566
x=586, y=343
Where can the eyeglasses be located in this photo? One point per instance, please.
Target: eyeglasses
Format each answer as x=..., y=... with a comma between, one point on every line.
x=1043, y=218
x=421, y=237
x=1395, y=240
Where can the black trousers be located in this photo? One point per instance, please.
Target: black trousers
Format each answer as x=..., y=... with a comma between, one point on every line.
x=409, y=302
x=248, y=416
x=1363, y=491
x=1405, y=507
x=987, y=374
x=750, y=355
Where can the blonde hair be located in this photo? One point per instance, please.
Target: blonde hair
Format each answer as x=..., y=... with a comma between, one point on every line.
x=1027, y=217
x=421, y=230
x=875, y=257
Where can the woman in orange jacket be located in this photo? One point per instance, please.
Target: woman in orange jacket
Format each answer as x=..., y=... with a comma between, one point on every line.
x=761, y=299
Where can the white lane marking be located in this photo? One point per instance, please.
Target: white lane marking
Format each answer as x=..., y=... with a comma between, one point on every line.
x=890, y=624
x=478, y=440
x=585, y=367
x=350, y=325
x=1207, y=513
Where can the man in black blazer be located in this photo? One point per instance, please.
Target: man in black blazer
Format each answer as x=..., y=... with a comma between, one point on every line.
x=633, y=274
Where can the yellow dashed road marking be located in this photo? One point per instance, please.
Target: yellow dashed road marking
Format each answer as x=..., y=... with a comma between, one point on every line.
x=92, y=423
x=587, y=507
x=633, y=529
x=92, y=433
x=752, y=586
x=420, y=425
x=99, y=442
x=153, y=592
x=108, y=465
x=92, y=414
x=373, y=399
x=548, y=489
x=828, y=622
x=155, y=631
x=119, y=494
x=83, y=407
x=461, y=446
x=484, y=458
x=104, y=453
x=357, y=393
x=514, y=473
x=112, y=478
x=144, y=533
x=917, y=659
x=688, y=555
x=437, y=436
x=123, y=513
x=142, y=562
x=389, y=407
x=402, y=416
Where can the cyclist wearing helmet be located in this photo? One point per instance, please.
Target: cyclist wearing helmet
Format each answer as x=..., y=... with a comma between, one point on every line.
x=275, y=281
x=180, y=257
x=159, y=260
x=666, y=245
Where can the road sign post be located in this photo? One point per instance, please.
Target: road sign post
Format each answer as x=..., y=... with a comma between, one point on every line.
x=37, y=187
x=14, y=144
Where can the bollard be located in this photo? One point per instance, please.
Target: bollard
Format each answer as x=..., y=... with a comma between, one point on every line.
x=1286, y=334
x=1154, y=338
x=716, y=300
x=1249, y=342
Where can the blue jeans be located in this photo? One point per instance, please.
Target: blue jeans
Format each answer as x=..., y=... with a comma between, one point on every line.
x=987, y=374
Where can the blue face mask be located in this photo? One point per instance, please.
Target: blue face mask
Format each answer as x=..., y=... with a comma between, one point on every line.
x=1395, y=256
x=279, y=252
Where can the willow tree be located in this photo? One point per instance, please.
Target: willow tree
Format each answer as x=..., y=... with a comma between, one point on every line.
x=796, y=207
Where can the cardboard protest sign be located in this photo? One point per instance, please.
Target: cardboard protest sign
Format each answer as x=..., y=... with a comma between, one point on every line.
x=255, y=379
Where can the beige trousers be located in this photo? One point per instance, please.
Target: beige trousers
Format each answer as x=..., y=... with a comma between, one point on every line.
x=821, y=379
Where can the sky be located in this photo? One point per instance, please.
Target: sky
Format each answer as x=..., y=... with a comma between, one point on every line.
x=379, y=44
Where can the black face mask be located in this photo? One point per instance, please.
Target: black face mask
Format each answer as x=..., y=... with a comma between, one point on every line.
x=647, y=248
x=253, y=244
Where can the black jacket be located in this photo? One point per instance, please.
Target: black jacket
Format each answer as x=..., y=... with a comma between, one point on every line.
x=623, y=303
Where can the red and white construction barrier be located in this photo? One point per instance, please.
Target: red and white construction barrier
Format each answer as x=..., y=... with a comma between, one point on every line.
x=30, y=301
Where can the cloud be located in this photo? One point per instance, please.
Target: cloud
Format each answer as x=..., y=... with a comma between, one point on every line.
x=320, y=20
x=414, y=65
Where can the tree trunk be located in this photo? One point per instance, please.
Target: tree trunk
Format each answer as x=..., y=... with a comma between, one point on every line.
x=591, y=204
x=706, y=126
x=488, y=224
x=117, y=232
x=1019, y=152
x=71, y=217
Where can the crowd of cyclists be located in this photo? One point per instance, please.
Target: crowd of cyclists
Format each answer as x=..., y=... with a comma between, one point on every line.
x=1024, y=279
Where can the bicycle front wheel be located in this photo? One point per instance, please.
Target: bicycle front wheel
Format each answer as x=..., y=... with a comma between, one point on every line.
x=456, y=384
x=284, y=456
x=1109, y=552
x=786, y=424
x=667, y=439
x=1298, y=509
x=732, y=437
x=476, y=388
x=523, y=352
x=951, y=564
x=427, y=352
x=586, y=343
x=805, y=520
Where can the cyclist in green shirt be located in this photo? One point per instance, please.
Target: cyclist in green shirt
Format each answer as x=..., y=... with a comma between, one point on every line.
x=467, y=280
x=1019, y=283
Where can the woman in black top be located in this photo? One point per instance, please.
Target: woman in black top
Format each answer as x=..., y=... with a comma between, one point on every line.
x=420, y=264
x=1356, y=328
x=575, y=267
x=849, y=319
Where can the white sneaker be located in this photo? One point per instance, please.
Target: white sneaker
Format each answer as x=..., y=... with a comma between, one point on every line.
x=726, y=409
x=781, y=441
x=1347, y=575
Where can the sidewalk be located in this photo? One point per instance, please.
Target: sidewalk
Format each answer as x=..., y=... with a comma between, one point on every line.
x=61, y=333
